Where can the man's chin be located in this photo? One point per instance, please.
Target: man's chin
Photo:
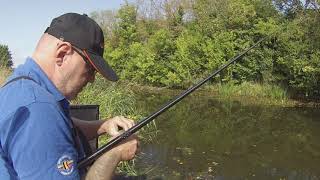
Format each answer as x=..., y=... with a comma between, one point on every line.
x=72, y=96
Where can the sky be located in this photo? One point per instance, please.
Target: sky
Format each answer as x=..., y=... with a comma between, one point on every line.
x=22, y=22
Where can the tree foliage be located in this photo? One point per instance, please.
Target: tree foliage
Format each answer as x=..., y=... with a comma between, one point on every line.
x=174, y=43
x=5, y=57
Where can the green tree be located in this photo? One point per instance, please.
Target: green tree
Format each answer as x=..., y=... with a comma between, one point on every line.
x=5, y=57
x=126, y=29
x=175, y=43
x=125, y=34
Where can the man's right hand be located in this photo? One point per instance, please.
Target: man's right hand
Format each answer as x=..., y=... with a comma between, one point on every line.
x=104, y=166
x=128, y=149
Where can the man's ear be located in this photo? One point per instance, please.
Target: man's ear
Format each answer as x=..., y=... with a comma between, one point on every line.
x=63, y=49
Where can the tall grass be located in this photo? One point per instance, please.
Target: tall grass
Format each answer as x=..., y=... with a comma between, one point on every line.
x=4, y=73
x=113, y=100
x=266, y=92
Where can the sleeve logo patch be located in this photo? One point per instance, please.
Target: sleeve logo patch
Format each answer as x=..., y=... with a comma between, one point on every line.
x=65, y=165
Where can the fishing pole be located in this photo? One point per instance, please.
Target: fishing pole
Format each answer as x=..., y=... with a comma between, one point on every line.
x=86, y=161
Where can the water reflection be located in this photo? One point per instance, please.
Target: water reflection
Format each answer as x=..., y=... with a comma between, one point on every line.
x=203, y=138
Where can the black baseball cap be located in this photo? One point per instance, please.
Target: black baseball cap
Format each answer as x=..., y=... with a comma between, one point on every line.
x=85, y=34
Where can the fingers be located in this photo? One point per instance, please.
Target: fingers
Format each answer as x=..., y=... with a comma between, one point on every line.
x=129, y=122
x=123, y=122
x=112, y=125
x=114, y=131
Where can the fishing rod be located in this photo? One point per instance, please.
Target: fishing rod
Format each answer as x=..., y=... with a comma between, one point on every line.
x=86, y=161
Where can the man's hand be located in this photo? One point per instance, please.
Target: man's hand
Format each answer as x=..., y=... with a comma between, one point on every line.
x=127, y=149
x=111, y=126
x=104, y=166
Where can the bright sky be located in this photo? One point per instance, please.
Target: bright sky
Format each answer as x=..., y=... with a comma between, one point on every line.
x=22, y=22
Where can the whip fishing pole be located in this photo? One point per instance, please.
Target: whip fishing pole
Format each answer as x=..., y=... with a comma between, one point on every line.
x=86, y=161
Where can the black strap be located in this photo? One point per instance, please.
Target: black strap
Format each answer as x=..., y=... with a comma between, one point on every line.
x=86, y=145
x=17, y=78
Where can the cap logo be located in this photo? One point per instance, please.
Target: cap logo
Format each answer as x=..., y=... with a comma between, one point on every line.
x=65, y=165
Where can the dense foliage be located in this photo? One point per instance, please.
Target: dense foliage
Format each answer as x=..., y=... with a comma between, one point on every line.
x=175, y=43
x=5, y=57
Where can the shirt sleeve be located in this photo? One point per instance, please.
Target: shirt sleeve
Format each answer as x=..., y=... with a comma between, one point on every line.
x=42, y=146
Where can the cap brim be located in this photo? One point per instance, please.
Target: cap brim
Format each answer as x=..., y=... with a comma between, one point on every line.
x=103, y=67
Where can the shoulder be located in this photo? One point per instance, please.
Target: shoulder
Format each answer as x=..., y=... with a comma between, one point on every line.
x=30, y=90
x=42, y=117
x=21, y=93
x=34, y=121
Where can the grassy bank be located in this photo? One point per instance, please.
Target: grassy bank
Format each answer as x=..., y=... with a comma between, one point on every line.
x=252, y=90
x=253, y=93
x=248, y=93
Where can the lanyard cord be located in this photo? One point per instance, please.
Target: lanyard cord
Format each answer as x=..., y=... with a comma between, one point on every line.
x=18, y=78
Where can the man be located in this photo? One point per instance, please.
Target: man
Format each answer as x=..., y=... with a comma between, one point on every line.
x=38, y=137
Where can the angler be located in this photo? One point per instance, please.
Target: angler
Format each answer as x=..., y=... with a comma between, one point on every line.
x=39, y=140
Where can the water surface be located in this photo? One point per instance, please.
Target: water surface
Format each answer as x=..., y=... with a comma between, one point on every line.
x=208, y=138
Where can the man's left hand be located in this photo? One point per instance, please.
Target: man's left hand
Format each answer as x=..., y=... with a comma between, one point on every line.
x=111, y=126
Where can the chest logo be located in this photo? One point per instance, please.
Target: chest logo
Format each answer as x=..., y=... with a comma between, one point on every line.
x=65, y=165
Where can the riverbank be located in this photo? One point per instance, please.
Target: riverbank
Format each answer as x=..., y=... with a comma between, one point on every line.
x=246, y=93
